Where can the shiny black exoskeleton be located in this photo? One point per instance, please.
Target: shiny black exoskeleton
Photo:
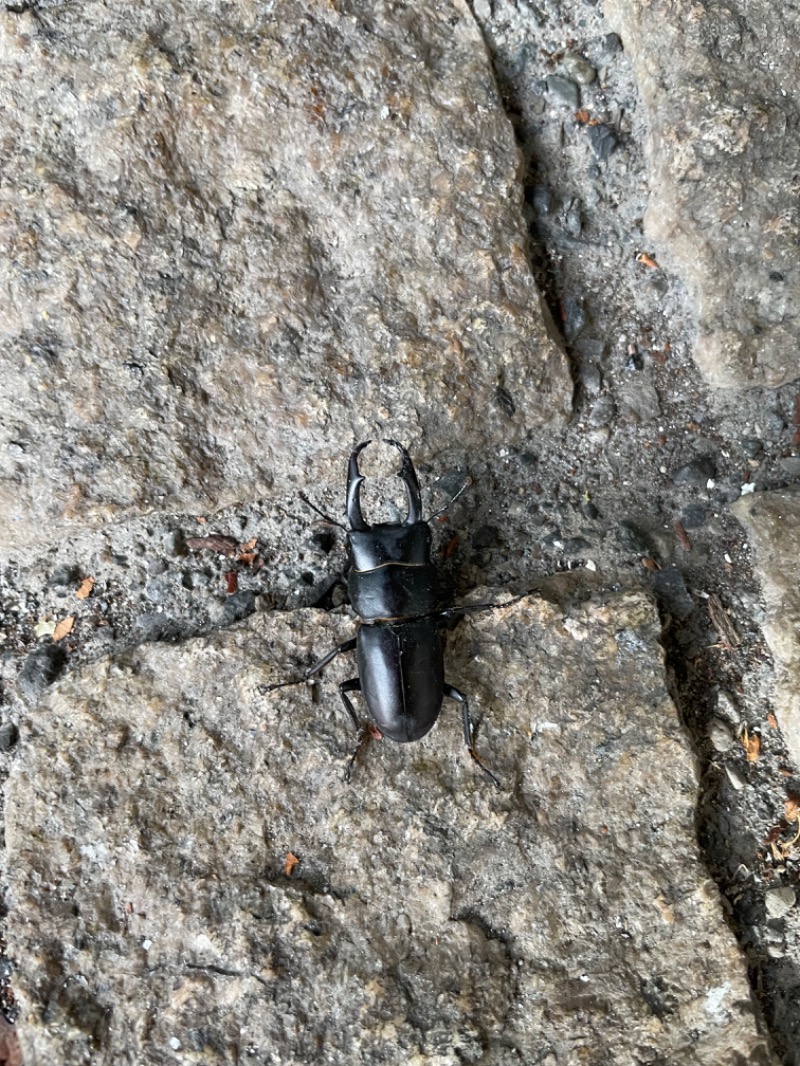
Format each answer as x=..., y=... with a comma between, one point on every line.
x=395, y=590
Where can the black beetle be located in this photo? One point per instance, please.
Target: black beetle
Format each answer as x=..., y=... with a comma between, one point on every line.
x=396, y=590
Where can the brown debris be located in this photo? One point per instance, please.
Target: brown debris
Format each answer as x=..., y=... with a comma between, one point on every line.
x=729, y=638
x=682, y=535
x=751, y=742
x=216, y=542
x=85, y=589
x=10, y=1053
x=290, y=864
x=64, y=628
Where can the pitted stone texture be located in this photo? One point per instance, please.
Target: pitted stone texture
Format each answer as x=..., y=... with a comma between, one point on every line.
x=432, y=918
x=719, y=81
x=772, y=521
x=236, y=238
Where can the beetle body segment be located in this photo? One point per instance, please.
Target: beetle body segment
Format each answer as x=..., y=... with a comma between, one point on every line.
x=401, y=670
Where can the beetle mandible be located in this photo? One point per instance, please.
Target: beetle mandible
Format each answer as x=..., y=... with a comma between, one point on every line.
x=395, y=589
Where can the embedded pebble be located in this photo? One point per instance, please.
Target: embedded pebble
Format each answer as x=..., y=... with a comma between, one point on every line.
x=720, y=735
x=580, y=69
x=603, y=140
x=696, y=473
x=779, y=901
x=564, y=89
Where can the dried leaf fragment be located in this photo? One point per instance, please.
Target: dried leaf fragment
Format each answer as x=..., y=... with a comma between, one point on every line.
x=85, y=589
x=682, y=535
x=216, y=542
x=751, y=742
x=231, y=581
x=64, y=627
x=292, y=861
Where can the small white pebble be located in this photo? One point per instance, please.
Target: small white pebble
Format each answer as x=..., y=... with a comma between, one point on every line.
x=748, y=488
x=735, y=778
x=174, y=1043
x=147, y=944
x=779, y=901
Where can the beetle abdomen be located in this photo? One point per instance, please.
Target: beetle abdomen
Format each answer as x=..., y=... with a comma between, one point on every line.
x=402, y=677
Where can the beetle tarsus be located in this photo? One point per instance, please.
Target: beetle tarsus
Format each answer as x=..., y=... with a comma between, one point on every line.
x=469, y=733
x=364, y=738
x=476, y=759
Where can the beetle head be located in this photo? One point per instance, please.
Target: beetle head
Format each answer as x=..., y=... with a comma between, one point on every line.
x=355, y=478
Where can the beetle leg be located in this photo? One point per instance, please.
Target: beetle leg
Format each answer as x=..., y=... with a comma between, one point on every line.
x=364, y=733
x=469, y=740
x=353, y=685
x=349, y=645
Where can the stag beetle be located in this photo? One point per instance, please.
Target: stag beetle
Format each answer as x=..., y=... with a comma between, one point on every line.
x=396, y=590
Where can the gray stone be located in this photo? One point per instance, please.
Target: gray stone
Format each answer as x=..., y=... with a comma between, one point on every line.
x=612, y=43
x=580, y=69
x=565, y=89
x=40, y=669
x=157, y=917
x=695, y=516
x=790, y=466
x=772, y=521
x=238, y=237
x=9, y=735
x=603, y=411
x=719, y=83
x=696, y=473
x=603, y=140
x=591, y=379
x=670, y=588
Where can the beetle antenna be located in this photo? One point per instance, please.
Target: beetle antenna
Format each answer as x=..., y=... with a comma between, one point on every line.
x=313, y=506
x=452, y=499
x=469, y=608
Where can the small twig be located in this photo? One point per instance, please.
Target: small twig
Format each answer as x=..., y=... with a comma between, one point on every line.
x=729, y=638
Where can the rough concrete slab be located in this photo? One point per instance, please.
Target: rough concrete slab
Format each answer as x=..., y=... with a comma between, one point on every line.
x=157, y=917
x=772, y=521
x=719, y=82
x=237, y=238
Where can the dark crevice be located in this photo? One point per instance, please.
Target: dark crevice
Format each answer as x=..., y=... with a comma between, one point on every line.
x=697, y=671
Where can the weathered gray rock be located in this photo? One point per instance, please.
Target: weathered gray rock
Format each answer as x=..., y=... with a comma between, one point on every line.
x=236, y=238
x=772, y=521
x=431, y=918
x=719, y=82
